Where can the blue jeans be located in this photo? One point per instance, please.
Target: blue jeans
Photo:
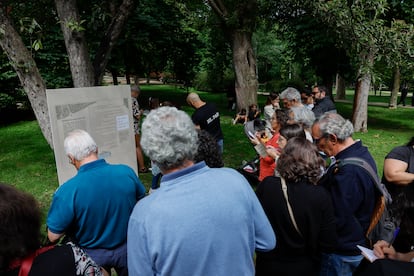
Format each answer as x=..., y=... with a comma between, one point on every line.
x=220, y=144
x=340, y=265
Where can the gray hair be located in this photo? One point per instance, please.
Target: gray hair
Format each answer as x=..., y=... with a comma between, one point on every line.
x=169, y=137
x=135, y=88
x=303, y=115
x=290, y=94
x=333, y=123
x=79, y=144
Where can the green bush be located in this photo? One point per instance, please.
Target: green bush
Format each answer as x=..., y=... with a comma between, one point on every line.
x=200, y=81
x=213, y=82
x=7, y=102
x=279, y=85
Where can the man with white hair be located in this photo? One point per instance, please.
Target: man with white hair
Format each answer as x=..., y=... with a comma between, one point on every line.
x=93, y=207
x=201, y=221
x=352, y=192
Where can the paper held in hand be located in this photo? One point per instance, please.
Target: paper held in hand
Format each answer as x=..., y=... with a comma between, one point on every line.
x=261, y=150
x=368, y=253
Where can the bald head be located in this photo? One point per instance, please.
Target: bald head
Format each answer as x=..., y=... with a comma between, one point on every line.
x=194, y=100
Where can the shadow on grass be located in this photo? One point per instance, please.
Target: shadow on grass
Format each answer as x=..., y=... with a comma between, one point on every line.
x=382, y=117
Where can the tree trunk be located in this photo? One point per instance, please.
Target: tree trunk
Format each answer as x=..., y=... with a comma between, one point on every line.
x=108, y=41
x=28, y=73
x=114, y=74
x=76, y=47
x=239, y=22
x=244, y=60
x=340, y=87
x=360, y=112
x=360, y=108
x=395, y=87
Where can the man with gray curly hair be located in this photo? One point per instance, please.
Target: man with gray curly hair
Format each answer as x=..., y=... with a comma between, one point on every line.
x=352, y=191
x=291, y=97
x=304, y=117
x=201, y=221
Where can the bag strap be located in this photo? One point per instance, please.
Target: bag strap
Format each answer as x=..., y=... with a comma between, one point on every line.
x=292, y=217
x=385, y=195
x=28, y=261
x=368, y=168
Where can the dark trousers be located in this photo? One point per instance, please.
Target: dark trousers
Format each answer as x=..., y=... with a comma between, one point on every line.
x=111, y=258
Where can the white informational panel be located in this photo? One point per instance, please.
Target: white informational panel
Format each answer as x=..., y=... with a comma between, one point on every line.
x=105, y=112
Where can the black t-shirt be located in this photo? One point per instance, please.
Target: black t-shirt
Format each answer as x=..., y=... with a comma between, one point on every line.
x=403, y=200
x=208, y=118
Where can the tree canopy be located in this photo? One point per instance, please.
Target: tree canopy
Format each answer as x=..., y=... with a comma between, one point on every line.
x=212, y=44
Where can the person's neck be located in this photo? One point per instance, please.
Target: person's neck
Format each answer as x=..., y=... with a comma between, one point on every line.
x=186, y=164
x=199, y=104
x=345, y=144
x=92, y=157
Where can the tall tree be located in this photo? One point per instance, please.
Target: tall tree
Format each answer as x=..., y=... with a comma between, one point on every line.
x=397, y=43
x=238, y=20
x=111, y=35
x=84, y=72
x=78, y=54
x=76, y=47
x=359, y=26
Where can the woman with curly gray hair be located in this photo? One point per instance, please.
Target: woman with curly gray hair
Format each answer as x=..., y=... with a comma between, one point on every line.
x=202, y=220
x=299, y=247
x=178, y=147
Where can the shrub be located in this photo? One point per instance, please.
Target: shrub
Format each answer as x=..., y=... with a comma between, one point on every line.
x=7, y=102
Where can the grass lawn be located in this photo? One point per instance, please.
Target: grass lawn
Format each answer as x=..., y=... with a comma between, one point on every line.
x=27, y=161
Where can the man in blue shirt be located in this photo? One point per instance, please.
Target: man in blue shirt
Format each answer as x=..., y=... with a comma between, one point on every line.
x=201, y=221
x=94, y=206
x=352, y=191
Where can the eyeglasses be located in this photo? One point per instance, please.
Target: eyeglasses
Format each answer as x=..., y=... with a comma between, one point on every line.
x=316, y=140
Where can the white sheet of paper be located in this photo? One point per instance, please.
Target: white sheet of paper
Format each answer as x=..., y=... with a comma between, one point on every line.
x=368, y=253
x=261, y=150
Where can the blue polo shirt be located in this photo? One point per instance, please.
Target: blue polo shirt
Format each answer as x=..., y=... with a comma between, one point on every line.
x=94, y=206
x=201, y=221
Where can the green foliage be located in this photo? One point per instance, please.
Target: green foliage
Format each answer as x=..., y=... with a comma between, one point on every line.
x=31, y=28
x=6, y=101
x=53, y=62
x=8, y=82
x=372, y=29
x=76, y=26
x=279, y=85
x=157, y=39
x=274, y=56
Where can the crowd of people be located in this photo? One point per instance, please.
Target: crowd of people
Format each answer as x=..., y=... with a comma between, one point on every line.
x=304, y=218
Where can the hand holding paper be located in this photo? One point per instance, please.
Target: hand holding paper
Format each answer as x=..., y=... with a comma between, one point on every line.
x=368, y=253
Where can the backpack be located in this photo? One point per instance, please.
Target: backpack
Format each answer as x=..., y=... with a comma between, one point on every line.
x=382, y=225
